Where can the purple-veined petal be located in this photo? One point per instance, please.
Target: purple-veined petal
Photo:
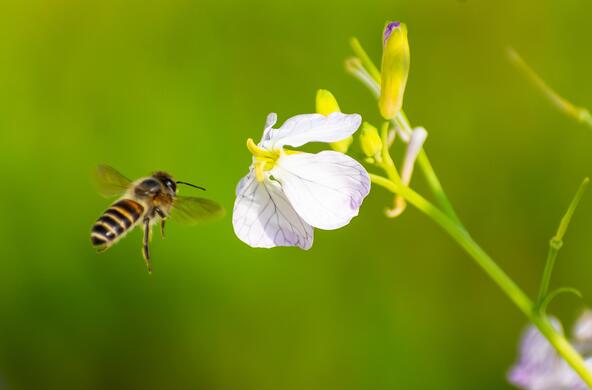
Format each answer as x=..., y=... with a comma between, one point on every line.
x=302, y=129
x=263, y=217
x=325, y=189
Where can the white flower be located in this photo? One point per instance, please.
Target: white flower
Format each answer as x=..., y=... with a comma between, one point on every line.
x=287, y=193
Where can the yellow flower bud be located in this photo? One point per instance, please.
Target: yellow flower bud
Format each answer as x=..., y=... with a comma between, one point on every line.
x=325, y=105
x=326, y=102
x=394, y=69
x=370, y=141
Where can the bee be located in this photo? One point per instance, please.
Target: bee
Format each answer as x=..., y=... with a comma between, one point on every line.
x=145, y=202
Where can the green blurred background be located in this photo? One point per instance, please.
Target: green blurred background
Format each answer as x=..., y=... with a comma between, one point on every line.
x=179, y=85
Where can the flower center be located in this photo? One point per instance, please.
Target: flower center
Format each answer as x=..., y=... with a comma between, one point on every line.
x=264, y=160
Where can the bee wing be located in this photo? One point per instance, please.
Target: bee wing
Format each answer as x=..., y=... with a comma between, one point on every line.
x=109, y=181
x=191, y=210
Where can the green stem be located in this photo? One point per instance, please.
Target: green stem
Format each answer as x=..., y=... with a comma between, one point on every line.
x=516, y=295
x=387, y=161
x=564, y=224
x=580, y=114
x=562, y=346
x=365, y=59
x=428, y=171
x=435, y=186
x=556, y=243
x=462, y=237
x=554, y=247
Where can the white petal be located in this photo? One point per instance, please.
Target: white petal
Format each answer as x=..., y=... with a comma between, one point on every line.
x=263, y=217
x=240, y=187
x=269, y=122
x=418, y=137
x=301, y=129
x=325, y=189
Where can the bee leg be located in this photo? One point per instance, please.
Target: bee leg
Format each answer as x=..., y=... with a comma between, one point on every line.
x=162, y=220
x=145, y=248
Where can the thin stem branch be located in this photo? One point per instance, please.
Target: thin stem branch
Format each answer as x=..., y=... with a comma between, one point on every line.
x=429, y=173
x=554, y=247
x=578, y=113
x=564, y=224
x=436, y=186
x=387, y=161
x=365, y=59
x=463, y=238
x=556, y=243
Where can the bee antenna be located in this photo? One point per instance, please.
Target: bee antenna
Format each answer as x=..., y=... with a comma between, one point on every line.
x=191, y=185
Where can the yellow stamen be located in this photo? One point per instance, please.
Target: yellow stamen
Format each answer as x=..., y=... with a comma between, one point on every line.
x=259, y=168
x=264, y=160
x=257, y=151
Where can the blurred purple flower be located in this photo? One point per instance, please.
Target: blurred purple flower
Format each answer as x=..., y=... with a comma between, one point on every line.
x=582, y=333
x=539, y=367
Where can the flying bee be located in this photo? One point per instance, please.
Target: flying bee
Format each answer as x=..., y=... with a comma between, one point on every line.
x=145, y=202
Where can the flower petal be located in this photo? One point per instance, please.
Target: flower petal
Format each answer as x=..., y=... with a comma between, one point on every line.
x=301, y=129
x=418, y=137
x=539, y=366
x=269, y=122
x=325, y=189
x=582, y=333
x=263, y=217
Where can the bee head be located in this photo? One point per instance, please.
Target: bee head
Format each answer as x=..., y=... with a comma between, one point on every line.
x=170, y=184
x=167, y=181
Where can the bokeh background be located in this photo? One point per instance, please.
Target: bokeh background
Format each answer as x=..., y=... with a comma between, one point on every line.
x=179, y=85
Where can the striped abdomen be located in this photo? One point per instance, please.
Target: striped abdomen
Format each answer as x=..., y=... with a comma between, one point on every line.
x=115, y=222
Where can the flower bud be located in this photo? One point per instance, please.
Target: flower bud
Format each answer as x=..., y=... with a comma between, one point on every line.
x=370, y=140
x=325, y=105
x=326, y=102
x=394, y=69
